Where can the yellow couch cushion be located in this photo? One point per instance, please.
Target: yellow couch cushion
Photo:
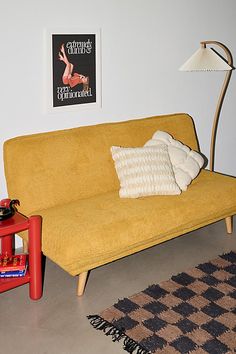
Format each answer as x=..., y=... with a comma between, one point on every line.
x=90, y=232
x=49, y=169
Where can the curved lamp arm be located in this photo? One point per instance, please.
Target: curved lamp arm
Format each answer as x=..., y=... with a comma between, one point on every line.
x=221, y=97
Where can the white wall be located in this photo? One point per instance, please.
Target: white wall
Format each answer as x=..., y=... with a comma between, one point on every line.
x=143, y=43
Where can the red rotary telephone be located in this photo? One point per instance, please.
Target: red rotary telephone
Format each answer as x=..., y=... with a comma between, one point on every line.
x=8, y=208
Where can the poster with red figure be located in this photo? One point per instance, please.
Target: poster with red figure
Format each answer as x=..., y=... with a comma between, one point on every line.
x=74, y=69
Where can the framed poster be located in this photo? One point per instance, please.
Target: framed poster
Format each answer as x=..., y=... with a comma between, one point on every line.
x=74, y=69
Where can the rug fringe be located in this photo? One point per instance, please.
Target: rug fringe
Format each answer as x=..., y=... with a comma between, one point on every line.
x=116, y=334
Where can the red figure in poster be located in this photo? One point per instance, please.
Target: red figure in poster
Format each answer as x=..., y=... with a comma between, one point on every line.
x=70, y=78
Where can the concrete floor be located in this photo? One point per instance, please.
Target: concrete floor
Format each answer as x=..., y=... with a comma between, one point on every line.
x=57, y=323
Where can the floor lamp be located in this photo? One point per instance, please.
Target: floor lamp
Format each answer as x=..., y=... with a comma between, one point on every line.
x=206, y=59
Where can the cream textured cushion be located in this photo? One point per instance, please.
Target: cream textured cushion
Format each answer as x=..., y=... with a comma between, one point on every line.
x=144, y=171
x=186, y=162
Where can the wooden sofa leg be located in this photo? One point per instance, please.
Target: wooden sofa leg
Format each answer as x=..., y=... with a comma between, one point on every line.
x=229, y=224
x=81, y=283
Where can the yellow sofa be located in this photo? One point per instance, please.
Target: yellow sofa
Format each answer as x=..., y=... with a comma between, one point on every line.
x=68, y=177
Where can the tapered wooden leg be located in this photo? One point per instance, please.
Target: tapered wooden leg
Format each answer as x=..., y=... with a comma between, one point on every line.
x=81, y=283
x=25, y=246
x=229, y=224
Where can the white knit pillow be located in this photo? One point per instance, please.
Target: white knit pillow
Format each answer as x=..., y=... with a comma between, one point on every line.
x=186, y=163
x=144, y=171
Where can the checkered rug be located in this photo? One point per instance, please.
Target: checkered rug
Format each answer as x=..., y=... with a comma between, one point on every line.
x=193, y=312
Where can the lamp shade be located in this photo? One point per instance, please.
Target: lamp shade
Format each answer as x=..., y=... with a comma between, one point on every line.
x=205, y=59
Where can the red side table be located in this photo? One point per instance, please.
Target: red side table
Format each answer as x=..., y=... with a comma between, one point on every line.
x=8, y=228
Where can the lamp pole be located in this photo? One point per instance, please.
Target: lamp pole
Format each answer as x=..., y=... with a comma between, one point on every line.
x=221, y=98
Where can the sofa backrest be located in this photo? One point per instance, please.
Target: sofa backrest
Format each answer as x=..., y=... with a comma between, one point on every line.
x=53, y=168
